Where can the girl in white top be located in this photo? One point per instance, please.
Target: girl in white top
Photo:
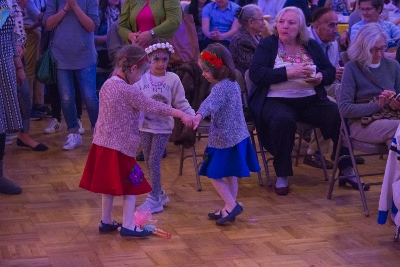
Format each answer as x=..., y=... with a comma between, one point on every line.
x=165, y=87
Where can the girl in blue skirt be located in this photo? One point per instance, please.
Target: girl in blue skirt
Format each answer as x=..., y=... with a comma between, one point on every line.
x=229, y=153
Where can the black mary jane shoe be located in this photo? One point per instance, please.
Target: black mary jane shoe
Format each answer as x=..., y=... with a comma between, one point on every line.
x=127, y=232
x=354, y=185
x=38, y=147
x=106, y=227
x=231, y=215
x=215, y=216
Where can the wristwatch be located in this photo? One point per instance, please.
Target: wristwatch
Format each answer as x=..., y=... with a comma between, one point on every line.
x=152, y=32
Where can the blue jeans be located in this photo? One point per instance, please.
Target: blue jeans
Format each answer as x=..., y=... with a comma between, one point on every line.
x=86, y=79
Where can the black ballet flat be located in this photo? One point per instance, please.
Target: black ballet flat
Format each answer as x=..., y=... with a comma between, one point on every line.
x=354, y=185
x=38, y=147
x=214, y=216
x=231, y=215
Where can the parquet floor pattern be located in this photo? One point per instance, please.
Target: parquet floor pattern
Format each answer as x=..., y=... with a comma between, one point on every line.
x=55, y=223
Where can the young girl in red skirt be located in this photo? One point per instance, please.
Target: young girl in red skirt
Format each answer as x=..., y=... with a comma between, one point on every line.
x=111, y=168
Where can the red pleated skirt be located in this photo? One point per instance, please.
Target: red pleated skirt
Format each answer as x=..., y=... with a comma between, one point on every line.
x=107, y=172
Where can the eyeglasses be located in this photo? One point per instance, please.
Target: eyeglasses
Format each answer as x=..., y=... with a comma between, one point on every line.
x=376, y=49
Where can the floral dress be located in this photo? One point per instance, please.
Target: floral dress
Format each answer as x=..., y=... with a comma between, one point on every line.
x=10, y=117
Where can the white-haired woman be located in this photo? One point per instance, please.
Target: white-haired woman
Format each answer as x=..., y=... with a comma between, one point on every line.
x=370, y=75
x=285, y=93
x=245, y=41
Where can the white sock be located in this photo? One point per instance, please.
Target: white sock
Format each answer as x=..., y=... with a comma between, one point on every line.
x=106, y=208
x=281, y=182
x=128, y=212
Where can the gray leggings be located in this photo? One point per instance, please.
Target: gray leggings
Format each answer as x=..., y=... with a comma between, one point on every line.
x=153, y=146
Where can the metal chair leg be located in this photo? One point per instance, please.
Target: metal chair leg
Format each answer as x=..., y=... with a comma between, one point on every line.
x=321, y=156
x=181, y=158
x=335, y=166
x=253, y=142
x=196, y=168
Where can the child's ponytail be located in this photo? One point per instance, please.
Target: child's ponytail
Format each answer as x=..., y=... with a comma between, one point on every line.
x=220, y=62
x=130, y=55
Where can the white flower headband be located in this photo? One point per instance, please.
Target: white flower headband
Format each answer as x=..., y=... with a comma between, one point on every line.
x=157, y=46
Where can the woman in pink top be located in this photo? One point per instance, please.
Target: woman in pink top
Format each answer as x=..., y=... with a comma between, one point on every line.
x=142, y=20
x=111, y=168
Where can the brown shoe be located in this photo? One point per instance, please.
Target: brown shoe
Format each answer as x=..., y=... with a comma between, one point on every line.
x=282, y=191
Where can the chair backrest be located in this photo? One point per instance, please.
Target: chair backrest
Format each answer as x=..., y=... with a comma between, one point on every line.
x=240, y=80
x=249, y=83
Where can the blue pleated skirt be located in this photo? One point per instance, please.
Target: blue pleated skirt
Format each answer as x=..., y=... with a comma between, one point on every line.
x=238, y=161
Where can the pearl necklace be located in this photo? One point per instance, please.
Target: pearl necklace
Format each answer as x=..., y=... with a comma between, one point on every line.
x=159, y=83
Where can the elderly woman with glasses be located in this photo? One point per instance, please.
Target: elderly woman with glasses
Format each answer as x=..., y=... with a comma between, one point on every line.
x=290, y=71
x=245, y=41
x=369, y=75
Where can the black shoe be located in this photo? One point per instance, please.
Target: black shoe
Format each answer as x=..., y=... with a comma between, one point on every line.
x=140, y=156
x=359, y=160
x=8, y=187
x=127, y=232
x=43, y=110
x=215, y=216
x=231, y=215
x=38, y=147
x=316, y=162
x=35, y=116
x=354, y=185
x=106, y=228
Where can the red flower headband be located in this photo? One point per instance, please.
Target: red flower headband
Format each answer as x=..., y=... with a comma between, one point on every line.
x=211, y=59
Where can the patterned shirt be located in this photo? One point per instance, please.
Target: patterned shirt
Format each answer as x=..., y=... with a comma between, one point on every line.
x=117, y=126
x=228, y=126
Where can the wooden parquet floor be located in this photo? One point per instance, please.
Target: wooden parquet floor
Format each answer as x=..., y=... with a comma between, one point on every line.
x=55, y=223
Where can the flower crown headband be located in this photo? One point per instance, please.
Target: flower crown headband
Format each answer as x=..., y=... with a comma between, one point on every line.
x=211, y=59
x=157, y=46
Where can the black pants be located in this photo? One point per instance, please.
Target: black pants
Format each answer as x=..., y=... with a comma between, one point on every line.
x=279, y=117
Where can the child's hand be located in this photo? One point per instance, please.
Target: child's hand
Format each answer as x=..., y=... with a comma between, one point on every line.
x=196, y=121
x=187, y=120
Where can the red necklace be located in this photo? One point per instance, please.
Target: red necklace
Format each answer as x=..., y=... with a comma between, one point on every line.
x=119, y=76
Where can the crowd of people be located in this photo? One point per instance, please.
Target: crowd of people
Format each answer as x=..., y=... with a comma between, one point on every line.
x=297, y=72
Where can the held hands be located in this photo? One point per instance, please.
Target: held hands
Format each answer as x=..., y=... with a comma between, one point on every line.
x=196, y=121
x=191, y=121
x=215, y=34
x=132, y=37
x=299, y=71
x=72, y=4
x=144, y=38
x=187, y=120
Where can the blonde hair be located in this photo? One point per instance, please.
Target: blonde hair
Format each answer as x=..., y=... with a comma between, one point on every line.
x=128, y=56
x=302, y=37
x=359, y=50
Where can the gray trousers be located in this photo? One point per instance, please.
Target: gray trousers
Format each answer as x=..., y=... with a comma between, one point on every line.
x=153, y=146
